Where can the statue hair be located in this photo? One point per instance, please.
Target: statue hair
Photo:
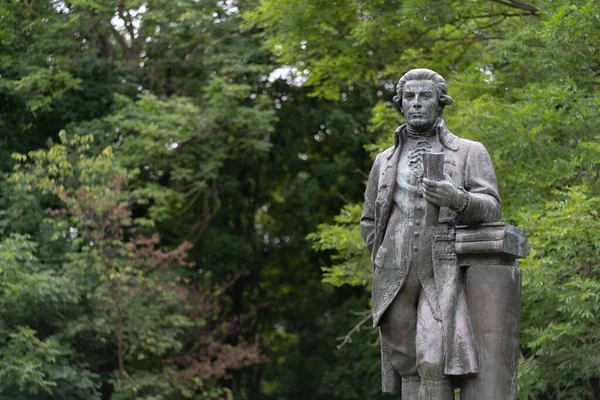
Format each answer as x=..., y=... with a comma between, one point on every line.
x=424, y=74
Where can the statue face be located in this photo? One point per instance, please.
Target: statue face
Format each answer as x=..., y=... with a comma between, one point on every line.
x=420, y=104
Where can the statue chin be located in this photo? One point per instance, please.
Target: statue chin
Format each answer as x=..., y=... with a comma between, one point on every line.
x=420, y=125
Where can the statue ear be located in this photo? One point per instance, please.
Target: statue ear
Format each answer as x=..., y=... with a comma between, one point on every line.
x=446, y=100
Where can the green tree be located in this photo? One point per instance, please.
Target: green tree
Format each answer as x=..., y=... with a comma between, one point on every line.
x=37, y=360
x=130, y=294
x=237, y=162
x=243, y=136
x=524, y=78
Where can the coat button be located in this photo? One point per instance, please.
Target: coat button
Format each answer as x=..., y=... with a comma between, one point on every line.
x=417, y=233
x=417, y=223
x=415, y=248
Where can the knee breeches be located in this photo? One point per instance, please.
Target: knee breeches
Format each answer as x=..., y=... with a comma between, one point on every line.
x=411, y=335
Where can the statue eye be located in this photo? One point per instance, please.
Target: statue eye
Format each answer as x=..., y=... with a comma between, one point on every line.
x=408, y=95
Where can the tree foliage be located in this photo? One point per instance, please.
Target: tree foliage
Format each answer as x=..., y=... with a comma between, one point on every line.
x=130, y=299
x=525, y=80
x=181, y=184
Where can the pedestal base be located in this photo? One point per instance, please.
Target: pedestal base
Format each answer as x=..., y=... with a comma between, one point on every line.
x=494, y=301
x=493, y=291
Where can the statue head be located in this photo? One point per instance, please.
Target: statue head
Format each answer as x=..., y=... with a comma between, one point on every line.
x=426, y=81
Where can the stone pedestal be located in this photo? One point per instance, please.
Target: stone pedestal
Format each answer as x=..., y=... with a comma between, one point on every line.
x=489, y=254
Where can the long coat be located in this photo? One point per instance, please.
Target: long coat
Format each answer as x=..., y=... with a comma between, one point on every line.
x=469, y=165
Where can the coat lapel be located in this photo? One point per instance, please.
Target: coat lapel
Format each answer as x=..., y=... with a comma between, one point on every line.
x=386, y=187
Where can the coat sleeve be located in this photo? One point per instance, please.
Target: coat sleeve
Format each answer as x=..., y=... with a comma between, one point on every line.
x=367, y=219
x=482, y=189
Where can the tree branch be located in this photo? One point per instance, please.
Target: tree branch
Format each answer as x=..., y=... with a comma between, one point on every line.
x=492, y=15
x=126, y=17
x=30, y=7
x=465, y=41
x=84, y=34
x=348, y=338
x=190, y=49
x=119, y=38
x=520, y=5
x=493, y=23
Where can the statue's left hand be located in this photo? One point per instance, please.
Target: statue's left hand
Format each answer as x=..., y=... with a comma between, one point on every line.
x=444, y=193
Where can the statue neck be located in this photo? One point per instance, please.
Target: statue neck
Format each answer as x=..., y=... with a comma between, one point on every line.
x=427, y=132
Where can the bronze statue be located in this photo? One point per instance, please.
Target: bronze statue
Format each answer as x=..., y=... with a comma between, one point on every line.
x=419, y=303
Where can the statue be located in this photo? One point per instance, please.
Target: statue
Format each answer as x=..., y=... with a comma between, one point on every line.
x=414, y=202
